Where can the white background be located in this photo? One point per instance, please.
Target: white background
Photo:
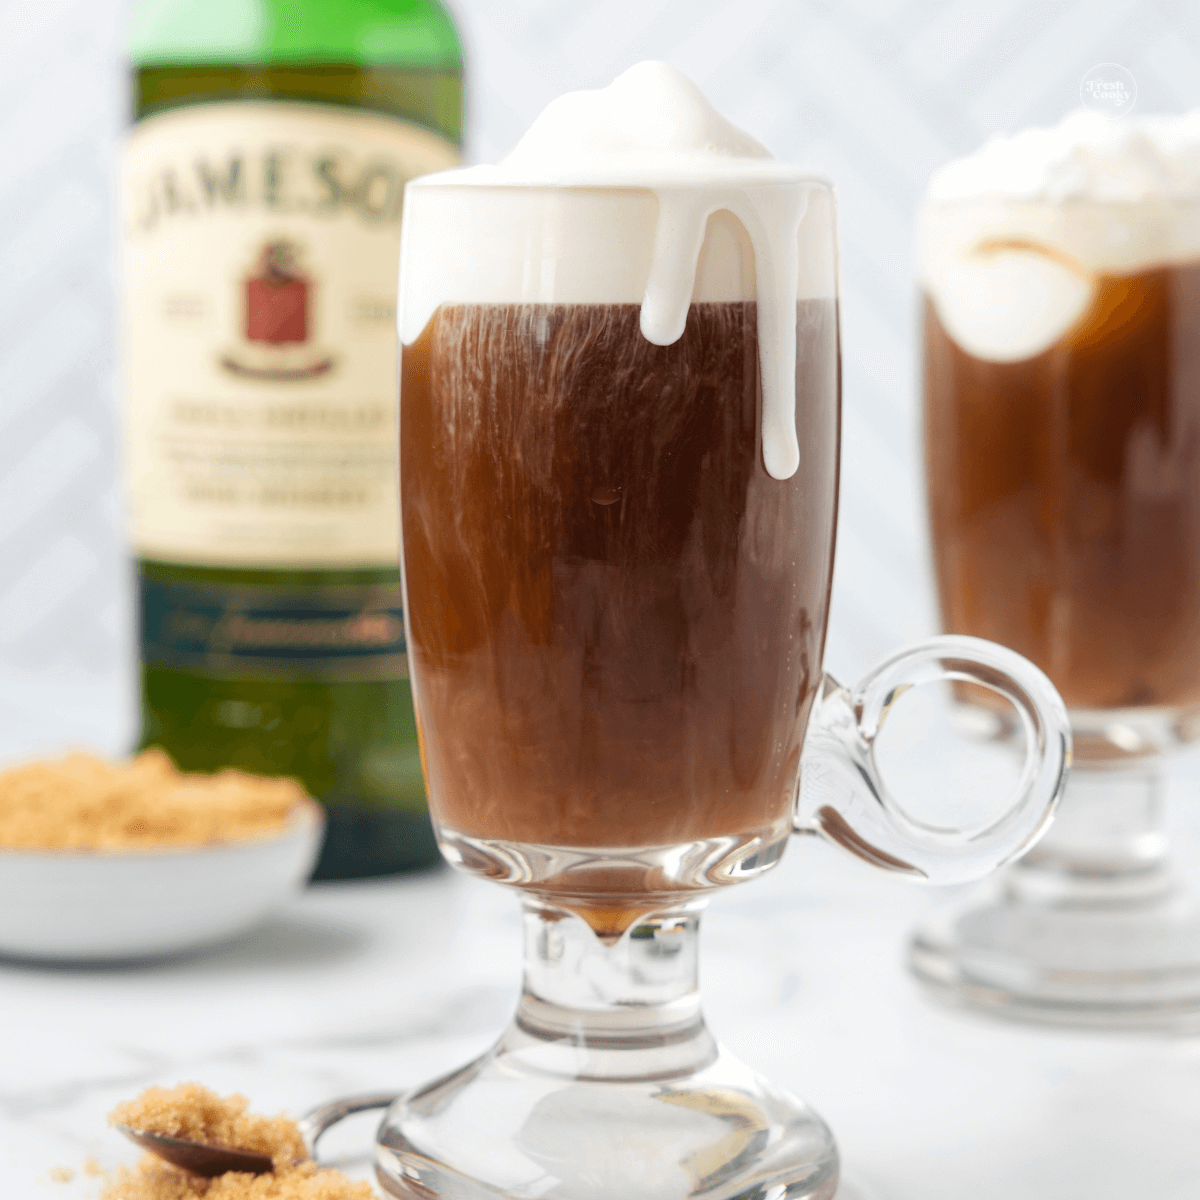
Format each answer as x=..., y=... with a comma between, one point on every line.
x=874, y=93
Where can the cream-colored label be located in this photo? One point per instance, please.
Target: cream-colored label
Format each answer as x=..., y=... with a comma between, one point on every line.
x=261, y=246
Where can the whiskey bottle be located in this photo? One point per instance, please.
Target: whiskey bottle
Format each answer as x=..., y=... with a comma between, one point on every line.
x=262, y=188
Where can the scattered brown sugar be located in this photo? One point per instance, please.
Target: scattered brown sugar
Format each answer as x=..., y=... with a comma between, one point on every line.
x=193, y=1112
x=62, y=1174
x=153, y=1179
x=82, y=802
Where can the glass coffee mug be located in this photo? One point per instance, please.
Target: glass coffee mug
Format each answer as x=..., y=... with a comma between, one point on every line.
x=616, y=595
x=1061, y=380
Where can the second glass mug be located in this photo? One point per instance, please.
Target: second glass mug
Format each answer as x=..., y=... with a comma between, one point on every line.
x=1063, y=467
x=616, y=618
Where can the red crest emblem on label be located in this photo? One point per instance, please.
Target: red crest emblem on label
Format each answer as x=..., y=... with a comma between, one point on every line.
x=277, y=297
x=278, y=319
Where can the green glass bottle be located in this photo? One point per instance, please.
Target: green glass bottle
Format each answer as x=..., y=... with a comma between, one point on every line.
x=261, y=210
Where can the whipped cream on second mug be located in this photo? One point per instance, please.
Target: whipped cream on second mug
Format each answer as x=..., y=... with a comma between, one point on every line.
x=1015, y=237
x=656, y=194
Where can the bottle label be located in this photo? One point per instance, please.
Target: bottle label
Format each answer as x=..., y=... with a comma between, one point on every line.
x=345, y=633
x=261, y=251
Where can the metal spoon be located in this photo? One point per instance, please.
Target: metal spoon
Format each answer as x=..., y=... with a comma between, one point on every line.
x=207, y=1161
x=197, y=1157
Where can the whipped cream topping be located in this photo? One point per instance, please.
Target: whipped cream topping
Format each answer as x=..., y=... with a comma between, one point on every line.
x=1086, y=156
x=640, y=192
x=1014, y=237
x=652, y=119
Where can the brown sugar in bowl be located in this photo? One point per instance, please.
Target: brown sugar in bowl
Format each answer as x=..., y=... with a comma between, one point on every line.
x=106, y=861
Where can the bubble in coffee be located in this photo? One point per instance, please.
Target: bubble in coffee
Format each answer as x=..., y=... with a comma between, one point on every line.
x=619, y=427
x=1061, y=277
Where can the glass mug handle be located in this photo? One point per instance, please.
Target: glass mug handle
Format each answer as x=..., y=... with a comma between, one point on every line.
x=842, y=796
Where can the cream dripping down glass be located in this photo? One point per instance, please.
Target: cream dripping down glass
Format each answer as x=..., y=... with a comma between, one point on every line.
x=619, y=458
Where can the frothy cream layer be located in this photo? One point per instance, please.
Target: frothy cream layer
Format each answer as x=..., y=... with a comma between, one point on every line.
x=639, y=193
x=1013, y=237
x=1086, y=156
x=650, y=118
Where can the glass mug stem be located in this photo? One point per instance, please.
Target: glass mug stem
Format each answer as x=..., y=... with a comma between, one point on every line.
x=587, y=1004
x=1107, y=846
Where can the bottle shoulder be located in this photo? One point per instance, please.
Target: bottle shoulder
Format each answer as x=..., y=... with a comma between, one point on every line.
x=407, y=32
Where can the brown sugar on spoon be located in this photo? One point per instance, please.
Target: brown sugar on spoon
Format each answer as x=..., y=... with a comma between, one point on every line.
x=193, y=1112
x=196, y=1114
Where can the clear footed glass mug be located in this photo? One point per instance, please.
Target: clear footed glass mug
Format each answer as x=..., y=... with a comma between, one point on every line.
x=616, y=616
x=1063, y=471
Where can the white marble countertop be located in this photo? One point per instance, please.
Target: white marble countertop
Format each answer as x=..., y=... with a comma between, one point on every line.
x=380, y=985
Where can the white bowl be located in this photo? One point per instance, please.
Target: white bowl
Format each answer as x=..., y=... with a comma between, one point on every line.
x=97, y=905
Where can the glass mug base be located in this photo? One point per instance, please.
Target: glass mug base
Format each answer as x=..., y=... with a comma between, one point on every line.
x=1066, y=966
x=1091, y=929
x=722, y=1134
x=592, y=1101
